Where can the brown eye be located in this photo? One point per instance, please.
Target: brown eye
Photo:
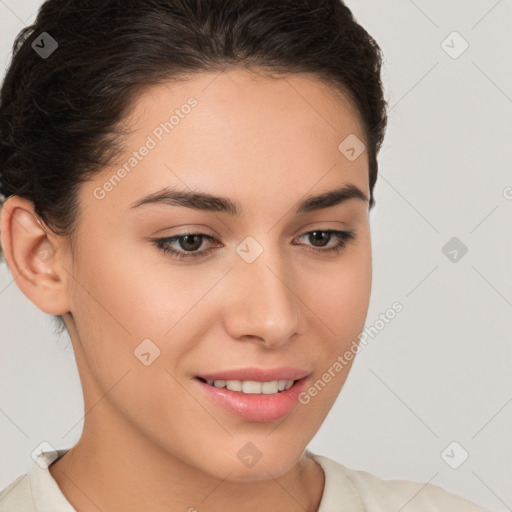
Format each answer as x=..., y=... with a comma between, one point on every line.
x=190, y=242
x=188, y=245
x=320, y=238
x=323, y=237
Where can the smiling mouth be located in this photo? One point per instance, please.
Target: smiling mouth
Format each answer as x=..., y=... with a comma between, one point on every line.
x=251, y=387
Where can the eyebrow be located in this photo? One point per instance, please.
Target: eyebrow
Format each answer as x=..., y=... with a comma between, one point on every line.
x=211, y=203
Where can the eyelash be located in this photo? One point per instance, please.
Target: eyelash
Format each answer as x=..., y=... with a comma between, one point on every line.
x=163, y=244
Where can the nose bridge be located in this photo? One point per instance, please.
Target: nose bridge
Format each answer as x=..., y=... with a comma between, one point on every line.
x=262, y=303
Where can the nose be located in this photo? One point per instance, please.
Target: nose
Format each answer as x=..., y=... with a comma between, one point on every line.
x=261, y=305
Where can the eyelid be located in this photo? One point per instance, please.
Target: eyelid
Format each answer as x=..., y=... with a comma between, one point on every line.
x=344, y=237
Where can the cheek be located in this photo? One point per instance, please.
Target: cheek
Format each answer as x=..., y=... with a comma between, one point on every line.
x=338, y=293
x=339, y=310
x=125, y=293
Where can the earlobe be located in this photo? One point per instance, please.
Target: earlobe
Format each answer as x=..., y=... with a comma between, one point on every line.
x=32, y=253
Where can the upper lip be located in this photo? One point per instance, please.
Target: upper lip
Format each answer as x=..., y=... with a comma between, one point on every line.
x=257, y=374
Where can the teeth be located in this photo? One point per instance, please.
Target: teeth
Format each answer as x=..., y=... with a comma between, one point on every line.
x=268, y=388
x=253, y=387
x=234, y=385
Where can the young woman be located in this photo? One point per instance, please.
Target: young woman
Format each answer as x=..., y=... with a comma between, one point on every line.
x=187, y=186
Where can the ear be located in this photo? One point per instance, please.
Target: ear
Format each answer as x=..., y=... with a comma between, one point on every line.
x=35, y=256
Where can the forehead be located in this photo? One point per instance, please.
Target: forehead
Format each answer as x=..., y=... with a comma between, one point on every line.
x=242, y=130
x=252, y=95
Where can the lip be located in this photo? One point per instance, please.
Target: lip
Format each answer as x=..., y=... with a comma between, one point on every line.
x=255, y=407
x=258, y=374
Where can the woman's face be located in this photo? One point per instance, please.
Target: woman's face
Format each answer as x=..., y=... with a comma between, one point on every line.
x=262, y=288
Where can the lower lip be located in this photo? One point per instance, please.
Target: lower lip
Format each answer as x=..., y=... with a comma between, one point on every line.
x=255, y=407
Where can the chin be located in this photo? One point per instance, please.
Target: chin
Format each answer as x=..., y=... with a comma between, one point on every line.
x=237, y=469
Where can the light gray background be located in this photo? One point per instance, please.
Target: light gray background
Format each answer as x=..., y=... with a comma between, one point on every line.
x=440, y=371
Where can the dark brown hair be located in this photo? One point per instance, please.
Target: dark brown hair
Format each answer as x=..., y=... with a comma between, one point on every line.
x=61, y=116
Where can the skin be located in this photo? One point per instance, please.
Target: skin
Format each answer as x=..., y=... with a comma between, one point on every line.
x=266, y=143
